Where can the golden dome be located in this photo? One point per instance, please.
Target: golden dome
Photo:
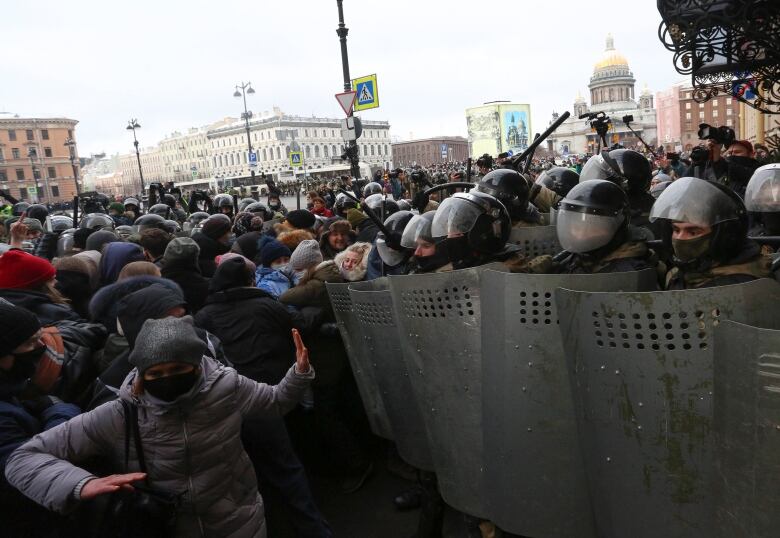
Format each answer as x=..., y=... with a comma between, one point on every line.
x=611, y=57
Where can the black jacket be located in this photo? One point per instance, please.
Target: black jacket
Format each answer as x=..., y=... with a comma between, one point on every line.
x=366, y=231
x=209, y=249
x=194, y=285
x=255, y=330
x=104, y=304
x=748, y=265
x=47, y=311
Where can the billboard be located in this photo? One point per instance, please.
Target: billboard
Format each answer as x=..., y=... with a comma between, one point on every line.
x=498, y=127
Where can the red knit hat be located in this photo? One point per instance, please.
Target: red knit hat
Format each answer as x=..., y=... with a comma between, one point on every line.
x=19, y=269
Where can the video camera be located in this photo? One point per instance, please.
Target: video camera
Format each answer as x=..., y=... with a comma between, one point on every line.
x=722, y=135
x=600, y=122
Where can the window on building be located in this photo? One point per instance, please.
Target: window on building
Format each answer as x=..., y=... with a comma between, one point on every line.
x=45, y=134
x=265, y=155
x=3, y=175
x=729, y=122
x=12, y=135
x=30, y=134
x=715, y=113
x=316, y=152
x=307, y=151
x=15, y=153
x=372, y=149
x=334, y=150
x=687, y=106
x=687, y=115
x=23, y=194
x=278, y=152
x=333, y=132
x=52, y=171
x=55, y=191
x=286, y=151
x=232, y=161
x=386, y=151
x=244, y=156
x=20, y=174
x=305, y=132
x=701, y=105
x=70, y=133
x=325, y=151
x=687, y=95
x=728, y=112
x=47, y=152
x=215, y=161
x=701, y=115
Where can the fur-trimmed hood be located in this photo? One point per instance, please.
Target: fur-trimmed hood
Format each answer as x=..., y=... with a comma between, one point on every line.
x=357, y=273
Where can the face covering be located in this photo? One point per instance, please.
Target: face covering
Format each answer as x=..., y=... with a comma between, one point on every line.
x=457, y=248
x=25, y=364
x=688, y=250
x=430, y=263
x=171, y=387
x=278, y=266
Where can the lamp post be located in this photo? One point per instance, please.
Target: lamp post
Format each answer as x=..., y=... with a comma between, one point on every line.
x=241, y=91
x=32, y=154
x=342, y=31
x=132, y=125
x=71, y=145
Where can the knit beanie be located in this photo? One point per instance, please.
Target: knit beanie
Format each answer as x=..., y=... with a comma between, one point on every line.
x=116, y=206
x=99, y=239
x=273, y=250
x=306, y=255
x=232, y=272
x=355, y=217
x=232, y=255
x=21, y=270
x=301, y=219
x=167, y=340
x=181, y=251
x=33, y=225
x=215, y=227
x=18, y=325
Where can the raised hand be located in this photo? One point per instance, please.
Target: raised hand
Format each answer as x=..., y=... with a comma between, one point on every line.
x=18, y=231
x=109, y=484
x=301, y=353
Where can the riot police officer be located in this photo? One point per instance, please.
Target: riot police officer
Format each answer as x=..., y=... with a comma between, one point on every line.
x=97, y=221
x=512, y=190
x=704, y=225
x=343, y=204
x=372, y=188
x=223, y=203
x=429, y=253
x=593, y=227
x=194, y=221
x=389, y=256
x=132, y=206
x=162, y=210
x=559, y=179
x=762, y=199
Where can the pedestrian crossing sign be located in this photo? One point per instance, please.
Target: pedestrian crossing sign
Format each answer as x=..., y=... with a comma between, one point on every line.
x=367, y=92
x=296, y=159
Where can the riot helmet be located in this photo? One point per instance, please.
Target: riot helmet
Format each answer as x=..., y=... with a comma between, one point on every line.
x=658, y=188
x=97, y=221
x=480, y=218
x=58, y=223
x=559, y=179
x=595, y=214
x=343, y=204
x=131, y=204
x=389, y=246
x=626, y=167
x=124, y=231
x=179, y=215
x=19, y=208
x=259, y=209
x=404, y=205
x=96, y=204
x=705, y=204
x=65, y=243
x=375, y=202
x=150, y=220
x=763, y=196
x=197, y=217
x=510, y=188
x=244, y=203
x=372, y=188
x=661, y=177
x=171, y=226
x=223, y=203
x=418, y=227
x=169, y=200
x=163, y=210
x=274, y=202
x=38, y=212
x=429, y=252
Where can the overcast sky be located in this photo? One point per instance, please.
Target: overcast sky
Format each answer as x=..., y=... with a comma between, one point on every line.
x=173, y=63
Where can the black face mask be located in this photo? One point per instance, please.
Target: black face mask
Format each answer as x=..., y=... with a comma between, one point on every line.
x=457, y=249
x=171, y=387
x=25, y=364
x=430, y=263
x=743, y=170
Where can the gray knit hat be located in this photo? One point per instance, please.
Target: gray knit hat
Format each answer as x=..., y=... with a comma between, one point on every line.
x=181, y=250
x=167, y=340
x=306, y=254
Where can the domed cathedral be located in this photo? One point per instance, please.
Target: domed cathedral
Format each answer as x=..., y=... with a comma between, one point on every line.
x=612, y=92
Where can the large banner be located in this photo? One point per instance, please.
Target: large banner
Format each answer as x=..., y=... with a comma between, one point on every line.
x=498, y=127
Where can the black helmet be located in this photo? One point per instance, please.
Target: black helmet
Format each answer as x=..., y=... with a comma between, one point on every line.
x=223, y=200
x=372, y=188
x=658, y=188
x=163, y=210
x=389, y=247
x=131, y=201
x=559, y=179
x=595, y=214
x=124, y=231
x=197, y=217
x=343, y=204
x=705, y=203
x=179, y=215
x=259, y=209
x=58, y=223
x=480, y=217
x=171, y=226
x=38, y=211
x=762, y=194
x=404, y=205
x=418, y=227
x=97, y=221
x=509, y=187
x=244, y=203
x=169, y=200
x=19, y=208
x=626, y=167
x=150, y=220
x=376, y=201
x=65, y=243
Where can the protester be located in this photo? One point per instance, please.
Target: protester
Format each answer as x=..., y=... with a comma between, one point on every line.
x=353, y=262
x=138, y=269
x=180, y=264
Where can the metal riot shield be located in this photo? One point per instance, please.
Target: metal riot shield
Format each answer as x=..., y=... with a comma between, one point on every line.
x=359, y=359
x=438, y=316
x=642, y=374
x=536, y=240
x=376, y=321
x=747, y=430
x=530, y=432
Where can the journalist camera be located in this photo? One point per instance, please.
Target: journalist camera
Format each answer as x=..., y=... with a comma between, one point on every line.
x=709, y=162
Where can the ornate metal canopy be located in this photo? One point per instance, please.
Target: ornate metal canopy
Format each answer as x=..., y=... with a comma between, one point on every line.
x=727, y=46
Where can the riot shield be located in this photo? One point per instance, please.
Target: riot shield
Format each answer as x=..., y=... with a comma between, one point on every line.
x=536, y=240
x=530, y=432
x=359, y=359
x=642, y=376
x=747, y=430
x=376, y=320
x=439, y=317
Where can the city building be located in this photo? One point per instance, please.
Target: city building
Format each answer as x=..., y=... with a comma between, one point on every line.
x=152, y=166
x=428, y=151
x=720, y=110
x=667, y=104
x=185, y=156
x=497, y=127
x=35, y=163
x=611, y=90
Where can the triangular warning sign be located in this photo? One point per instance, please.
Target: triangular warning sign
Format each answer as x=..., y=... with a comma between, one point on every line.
x=347, y=101
x=365, y=94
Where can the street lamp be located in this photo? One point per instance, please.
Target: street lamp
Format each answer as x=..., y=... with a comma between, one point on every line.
x=32, y=154
x=342, y=32
x=241, y=91
x=132, y=125
x=71, y=145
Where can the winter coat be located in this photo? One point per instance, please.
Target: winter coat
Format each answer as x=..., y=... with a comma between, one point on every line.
x=47, y=311
x=104, y=304
x=272, y=281
x=81, y=341
x=209, y=249
x=366, y=231
x=311, y=290
x=748, y=265
x=194, y=285
x=115, y=257
x=192, y=446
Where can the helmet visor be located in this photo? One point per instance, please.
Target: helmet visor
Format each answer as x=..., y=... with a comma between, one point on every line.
x=763, y=192
x=389, y=255
x=597, y=168
x=455, y=216
x=694, y=201
x=584, y=232
x=418, y=227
